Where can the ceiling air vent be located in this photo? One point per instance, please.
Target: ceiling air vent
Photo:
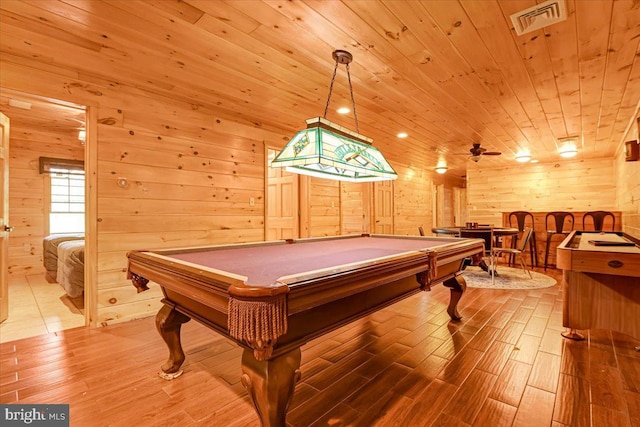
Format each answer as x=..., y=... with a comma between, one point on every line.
x=538, y=16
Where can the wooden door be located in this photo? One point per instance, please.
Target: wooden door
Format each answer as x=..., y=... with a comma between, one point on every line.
x=4, y=218
x=440, y=206
x=383, y=207
x=281, y=220
x=352, y=207
x=459, y=206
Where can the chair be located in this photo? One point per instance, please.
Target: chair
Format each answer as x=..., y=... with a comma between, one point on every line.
x=487, y=236
x=556, y=227
x=518, y=251
x=519, y=218
x=598, y=218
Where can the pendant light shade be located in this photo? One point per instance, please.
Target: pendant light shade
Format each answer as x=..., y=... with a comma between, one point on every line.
x=327, y=150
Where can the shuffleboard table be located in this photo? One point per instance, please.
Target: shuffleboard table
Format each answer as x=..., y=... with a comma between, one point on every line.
x=601, y=282
x=272, y=297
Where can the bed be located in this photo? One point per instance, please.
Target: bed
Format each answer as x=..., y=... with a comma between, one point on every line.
x=63, y=257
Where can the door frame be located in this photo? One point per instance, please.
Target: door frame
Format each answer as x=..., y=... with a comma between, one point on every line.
x=4, y=242
x=91, y=202
x=298, y=195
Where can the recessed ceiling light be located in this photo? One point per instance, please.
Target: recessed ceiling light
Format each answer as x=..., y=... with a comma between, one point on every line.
x=343, y=110
x=533, y=161
x=402, y=135
x=568, y=146
x=569, y=152
x=523, y=157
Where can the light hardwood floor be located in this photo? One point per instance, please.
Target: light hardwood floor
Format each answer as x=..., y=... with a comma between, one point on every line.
x=38, y=307
x=504, y=364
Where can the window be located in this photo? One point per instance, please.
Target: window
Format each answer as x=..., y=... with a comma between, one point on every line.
x=66, y=201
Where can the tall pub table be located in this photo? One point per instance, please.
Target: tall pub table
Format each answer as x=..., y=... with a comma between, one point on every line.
x=478, y=259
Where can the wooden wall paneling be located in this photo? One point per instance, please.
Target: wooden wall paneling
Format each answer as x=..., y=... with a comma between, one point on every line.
x=440, y=206
x=448, y=207
x=197, y=192
x=572, y=185
x=192, y=160
x=144, y=174
x=367, y=214
x=304, y=202
x=5, y=133
x=91, y=267
x=434, y=205
x=460, y=213
x=182, y=203
x=627, y=176
x=411, y=200
x=131, y=311
x=324, y=209
x=352, y=207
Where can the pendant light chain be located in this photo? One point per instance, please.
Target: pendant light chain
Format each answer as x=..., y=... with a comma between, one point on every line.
x=333, y=79
x=353, y=100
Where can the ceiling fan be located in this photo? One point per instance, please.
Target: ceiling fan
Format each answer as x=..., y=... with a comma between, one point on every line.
x=477, y=152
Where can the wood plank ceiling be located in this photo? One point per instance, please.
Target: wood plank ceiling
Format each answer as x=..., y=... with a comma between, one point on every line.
x=448, y=73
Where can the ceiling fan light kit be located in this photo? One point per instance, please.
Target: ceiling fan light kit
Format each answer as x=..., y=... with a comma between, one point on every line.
x=477, y=152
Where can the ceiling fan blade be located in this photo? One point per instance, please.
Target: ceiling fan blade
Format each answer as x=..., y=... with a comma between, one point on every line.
x=491, y=153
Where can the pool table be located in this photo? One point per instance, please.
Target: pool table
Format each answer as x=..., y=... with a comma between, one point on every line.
x=601, y=282
x=272, y=297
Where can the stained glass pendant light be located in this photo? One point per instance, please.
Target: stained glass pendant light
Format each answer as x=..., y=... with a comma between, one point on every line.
x=327, y=150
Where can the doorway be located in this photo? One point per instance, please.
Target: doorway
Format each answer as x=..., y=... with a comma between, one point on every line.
x=383, y=207
x=281, y=215
x=37, y=201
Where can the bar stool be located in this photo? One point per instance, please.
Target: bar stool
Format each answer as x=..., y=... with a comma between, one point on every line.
x=557, y=227
x=520, y=218
x=598, y=218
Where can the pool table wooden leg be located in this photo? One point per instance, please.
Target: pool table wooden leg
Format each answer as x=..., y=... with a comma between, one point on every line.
x=458, y=285
x=270, y=384
x=168, y=323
